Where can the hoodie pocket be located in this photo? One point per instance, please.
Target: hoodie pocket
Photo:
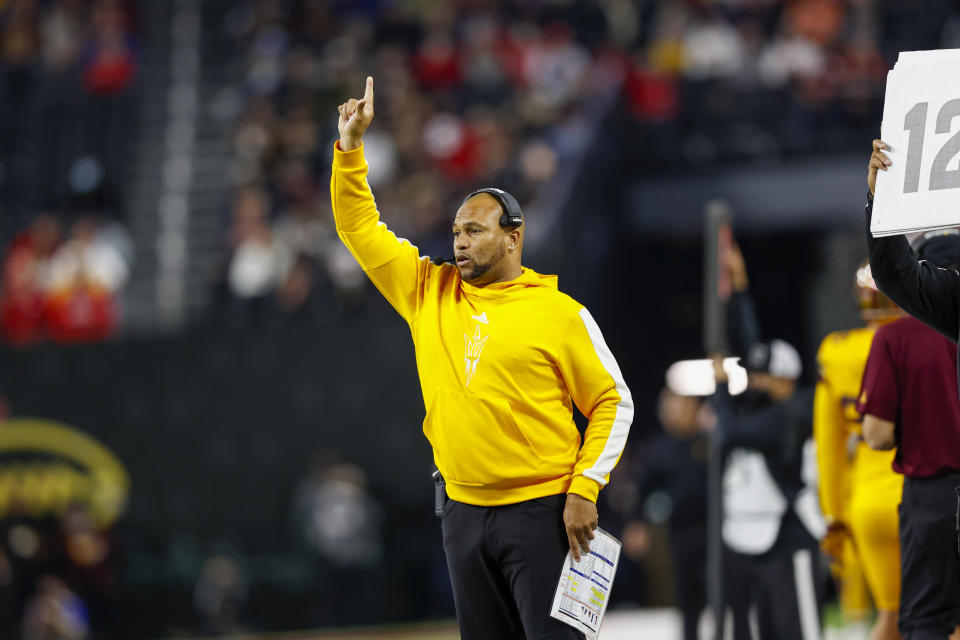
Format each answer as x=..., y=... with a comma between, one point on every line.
x=477, y=442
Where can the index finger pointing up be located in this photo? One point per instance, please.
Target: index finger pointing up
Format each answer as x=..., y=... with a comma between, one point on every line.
x=368, y=93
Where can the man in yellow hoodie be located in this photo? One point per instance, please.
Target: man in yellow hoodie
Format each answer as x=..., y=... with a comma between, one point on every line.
x=502, y=357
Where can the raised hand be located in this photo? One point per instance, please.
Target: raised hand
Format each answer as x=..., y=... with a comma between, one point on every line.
x=737, y=267
x=355, y=117
x=718, y=371
x=878, y=162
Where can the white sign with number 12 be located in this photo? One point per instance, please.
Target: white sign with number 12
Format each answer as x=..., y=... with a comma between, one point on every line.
x=921, y=126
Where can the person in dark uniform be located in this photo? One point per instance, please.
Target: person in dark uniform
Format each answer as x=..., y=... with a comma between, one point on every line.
x=674, y=464
x=771, y=516
x=909, y=399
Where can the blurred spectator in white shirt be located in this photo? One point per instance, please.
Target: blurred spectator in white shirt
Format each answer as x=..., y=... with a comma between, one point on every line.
x=63, y=30
x=86, y=275
x=257, y=262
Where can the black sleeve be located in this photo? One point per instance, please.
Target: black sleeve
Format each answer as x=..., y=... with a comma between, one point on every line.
x=651, y=475
x=798, y=428
x=761, y=430
x=743, y=328
x=930, y=294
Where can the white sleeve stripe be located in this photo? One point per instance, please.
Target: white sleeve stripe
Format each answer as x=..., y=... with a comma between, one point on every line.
x=624, y=416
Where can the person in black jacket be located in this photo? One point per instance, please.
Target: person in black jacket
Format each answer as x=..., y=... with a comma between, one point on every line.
x=929, y=513
x=673, y=467
x=920, y=288
x=771, y=516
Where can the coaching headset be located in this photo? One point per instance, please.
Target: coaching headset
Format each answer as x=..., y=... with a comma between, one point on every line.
x=512, y=216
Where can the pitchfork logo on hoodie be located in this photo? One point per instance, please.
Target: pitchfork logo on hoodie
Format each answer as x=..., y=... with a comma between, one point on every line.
x=473, y=347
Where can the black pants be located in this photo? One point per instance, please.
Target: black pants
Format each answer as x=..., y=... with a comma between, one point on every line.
x=785, y=584
x=929, y=564
x=504, y=564
x=688, y=548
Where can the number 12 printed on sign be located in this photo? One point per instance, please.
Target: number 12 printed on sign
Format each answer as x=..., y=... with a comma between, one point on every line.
x=921, y=126
x=916, y=124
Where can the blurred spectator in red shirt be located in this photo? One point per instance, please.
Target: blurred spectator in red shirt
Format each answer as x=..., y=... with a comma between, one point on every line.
x=453, y=146
x=436, y=64
x=85, y=276
x=26, y=272
x=819, y=21
x=652, y=96
x=111, y=62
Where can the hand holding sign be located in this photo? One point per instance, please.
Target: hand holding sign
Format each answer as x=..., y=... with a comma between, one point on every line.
x=878, y=162
x=919, y=187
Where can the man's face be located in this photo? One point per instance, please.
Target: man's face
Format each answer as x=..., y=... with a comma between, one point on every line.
x=479, y=242
x=777, y=388
x=758, y=381
x=679, y=415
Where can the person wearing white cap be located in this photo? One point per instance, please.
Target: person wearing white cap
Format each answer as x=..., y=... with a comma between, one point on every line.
x=771, y=516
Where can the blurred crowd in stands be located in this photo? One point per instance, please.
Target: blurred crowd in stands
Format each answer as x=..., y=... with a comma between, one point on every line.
x=760, y=80
x=486, y=93
x=62, y=277
x=65, y=66
x=63, y=291
x=92, y=38
x=465, y=98
x=56, y=574
x=471, y=93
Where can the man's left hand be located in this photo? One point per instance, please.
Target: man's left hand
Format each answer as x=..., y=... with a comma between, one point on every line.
x=736, y=267
x=718, y=371
x=834, y=540
x=579, y=519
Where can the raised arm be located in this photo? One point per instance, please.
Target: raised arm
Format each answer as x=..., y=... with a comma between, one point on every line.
x=830, y=435
x=930, y=294
x=879, y=400
x=392, y=264
x=743, y=327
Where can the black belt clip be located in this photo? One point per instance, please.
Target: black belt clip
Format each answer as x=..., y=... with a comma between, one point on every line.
x=439, y=493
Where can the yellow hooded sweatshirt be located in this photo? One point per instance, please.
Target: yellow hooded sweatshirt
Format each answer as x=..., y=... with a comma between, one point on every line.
x=498, y=365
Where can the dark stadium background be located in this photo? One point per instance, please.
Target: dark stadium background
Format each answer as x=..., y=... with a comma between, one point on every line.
x=220, y=403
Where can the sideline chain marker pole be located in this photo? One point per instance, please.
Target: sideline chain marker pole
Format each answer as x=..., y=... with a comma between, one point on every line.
x=716, y=292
